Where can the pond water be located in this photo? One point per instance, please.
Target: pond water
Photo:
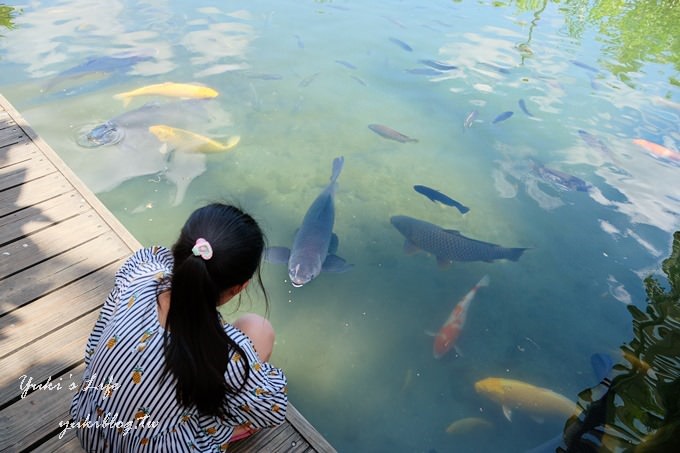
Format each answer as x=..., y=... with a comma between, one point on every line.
x=300, y=82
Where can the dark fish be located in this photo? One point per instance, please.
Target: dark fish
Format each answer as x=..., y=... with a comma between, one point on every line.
x=435, y=195
x=470, y=119
x=307, y=80
x=438, y=65
x=495, y=68
x=424, y=71
x=502, y=117
x=523, y=106
x=346, y=64
x=449, y=245
x=594, y=142
x=559, y=179
x=359, y=81
x=584, y=66
x=314, y=243
x=391, y=134
x=402, y=44
x=106, y=64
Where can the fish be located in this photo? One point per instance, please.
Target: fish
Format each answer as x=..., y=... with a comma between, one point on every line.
x=495, y=68
x=517, y=395
x=470, y=118
x=435, y=196
x=658, y=150
x=438, y=65
x=468, y=424
x=179, y=90
x=448, y=333
x=502, y=117
x=594, y=142
x=449, y=245
x=559, y=179
x=308, y=80
x=584, y=66
x=190, y=141
x=523, y=106
x=346, y=64
x=314, y=243
x=402, y=44
x=391, y=134
x=116, y=63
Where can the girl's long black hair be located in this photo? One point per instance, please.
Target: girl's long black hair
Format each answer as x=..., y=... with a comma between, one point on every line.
x=197, y=349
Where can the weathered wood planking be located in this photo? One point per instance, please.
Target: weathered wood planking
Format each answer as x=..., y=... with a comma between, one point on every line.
x=59, y=250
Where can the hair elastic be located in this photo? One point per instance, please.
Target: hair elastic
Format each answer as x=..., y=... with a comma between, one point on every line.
x=202, y=249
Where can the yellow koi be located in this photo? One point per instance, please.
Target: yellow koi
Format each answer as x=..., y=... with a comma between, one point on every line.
x=170, y=89
x=191, y=141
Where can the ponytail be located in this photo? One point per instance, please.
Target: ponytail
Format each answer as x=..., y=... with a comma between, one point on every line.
x=197, y=349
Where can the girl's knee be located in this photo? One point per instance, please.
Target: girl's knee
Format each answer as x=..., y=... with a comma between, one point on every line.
x=260, y=331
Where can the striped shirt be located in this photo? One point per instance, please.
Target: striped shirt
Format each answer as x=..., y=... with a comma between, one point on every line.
x=123, y=404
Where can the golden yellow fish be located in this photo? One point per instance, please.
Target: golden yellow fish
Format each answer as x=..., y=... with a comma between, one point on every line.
x=536, y=401
x=177, y=90
x=191, y=141
x=465, y=425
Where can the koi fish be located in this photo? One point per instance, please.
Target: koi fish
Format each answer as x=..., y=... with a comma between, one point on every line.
x=178, y=90
x=452, y=328
x=658, y=150
x=391, y=134
x=191, y=141
x=537, y=401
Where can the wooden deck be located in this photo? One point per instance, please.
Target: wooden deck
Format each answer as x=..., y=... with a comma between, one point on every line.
x=59, y=250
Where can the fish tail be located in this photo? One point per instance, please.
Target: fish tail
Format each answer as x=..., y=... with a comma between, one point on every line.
x=338, y=162
x=484, y=281
x=515, y=253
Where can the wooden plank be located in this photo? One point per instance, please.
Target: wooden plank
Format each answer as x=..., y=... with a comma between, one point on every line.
x=22, y=172
x=6, y=120
x=307, y=431
x=33, y=249
x=38, y=414
x=32, y=321
x=46, y=357
x=39, y=216
x=11, y=155
x=33, y=192
x=69, y=443
x=12, y=136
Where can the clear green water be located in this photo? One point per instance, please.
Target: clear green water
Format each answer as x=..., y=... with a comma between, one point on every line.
x=300, y=82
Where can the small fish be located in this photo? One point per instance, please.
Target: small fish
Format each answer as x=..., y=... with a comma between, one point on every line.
x=308, y=80
x=658, y=150
x=594, y=142
x=584, y=66
x=435, y=196
x=358, y=80
x=190, y=141
x=523, y=106
x=466, y=425
x=438, y=65
x=470, y=119
x=512, y=394
x=495, y=68
x=402, y=44
x=391, y=134
x=449, y=332
x=346, y=64
x=502, y=117
x=178, y=90
x=559, y=179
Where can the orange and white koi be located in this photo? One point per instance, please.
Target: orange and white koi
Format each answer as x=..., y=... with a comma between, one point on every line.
x=445, y=339
x=658, y=150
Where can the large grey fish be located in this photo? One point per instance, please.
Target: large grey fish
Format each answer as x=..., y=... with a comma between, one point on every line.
x=391, y=134
x=449, y=245
x=315, y=243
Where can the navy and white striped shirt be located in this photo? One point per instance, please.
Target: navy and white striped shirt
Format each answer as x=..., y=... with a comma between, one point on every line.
x=124, y=405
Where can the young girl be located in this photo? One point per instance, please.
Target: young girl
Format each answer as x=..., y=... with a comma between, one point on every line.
x=164, y=371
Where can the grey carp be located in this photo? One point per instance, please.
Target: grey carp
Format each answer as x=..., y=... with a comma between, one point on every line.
x=315, y=243
x=449, y=245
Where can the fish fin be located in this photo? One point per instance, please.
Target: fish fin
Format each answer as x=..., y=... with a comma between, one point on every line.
x=453, y=232
x=458, y=351
x=338, y=163
x=443, y=263
x=333, y=246
x=429, y=333
x=516, y=253
x=333, y=263
x=507, y=412
x=410, y=248
x=484, y=281
x=277, y=255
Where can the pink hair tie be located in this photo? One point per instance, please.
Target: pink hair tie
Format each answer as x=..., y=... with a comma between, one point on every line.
x=202, y=249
